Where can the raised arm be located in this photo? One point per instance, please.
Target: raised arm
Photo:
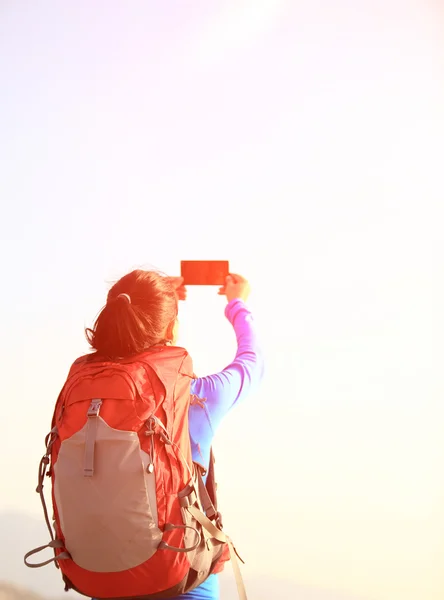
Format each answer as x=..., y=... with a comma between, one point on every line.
x=219, y=392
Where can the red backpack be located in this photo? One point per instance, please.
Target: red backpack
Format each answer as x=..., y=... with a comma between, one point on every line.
x=132, y=516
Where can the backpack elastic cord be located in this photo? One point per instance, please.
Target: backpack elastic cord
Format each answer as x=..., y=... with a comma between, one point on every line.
x=50, y=439
x=52, y=544
x=43, y=466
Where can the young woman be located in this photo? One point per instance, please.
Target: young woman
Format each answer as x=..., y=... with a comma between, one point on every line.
x=141, y=311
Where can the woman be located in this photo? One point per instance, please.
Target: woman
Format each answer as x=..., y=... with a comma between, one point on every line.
x=141, y=311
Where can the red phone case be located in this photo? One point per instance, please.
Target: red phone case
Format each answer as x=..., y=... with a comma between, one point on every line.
x=204, y=272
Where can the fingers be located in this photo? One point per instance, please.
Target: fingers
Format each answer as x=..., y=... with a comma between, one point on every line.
x=179, y=288
x=231, y=279
x=181, y=292
x=176, y=281
x=236, y=278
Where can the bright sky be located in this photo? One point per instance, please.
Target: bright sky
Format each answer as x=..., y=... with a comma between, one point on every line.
x=301, y=140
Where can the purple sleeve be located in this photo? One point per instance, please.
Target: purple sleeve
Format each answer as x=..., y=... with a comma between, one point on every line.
x=221, y=391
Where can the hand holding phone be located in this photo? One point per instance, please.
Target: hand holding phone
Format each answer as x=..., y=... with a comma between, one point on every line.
x=178, y=285
x=211, y=272
x=235, y=286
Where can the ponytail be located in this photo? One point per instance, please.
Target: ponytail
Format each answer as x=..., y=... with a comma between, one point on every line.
x=139, y=309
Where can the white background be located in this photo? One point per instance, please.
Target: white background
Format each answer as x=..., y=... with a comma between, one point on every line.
x=303, y=141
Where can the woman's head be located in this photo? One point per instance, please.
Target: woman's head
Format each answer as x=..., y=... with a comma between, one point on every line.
x=140, y=311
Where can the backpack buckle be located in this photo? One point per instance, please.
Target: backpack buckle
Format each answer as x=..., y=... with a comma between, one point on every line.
x=94, y=407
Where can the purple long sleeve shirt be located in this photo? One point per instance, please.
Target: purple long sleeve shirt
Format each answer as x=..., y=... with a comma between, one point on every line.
x=214, y=395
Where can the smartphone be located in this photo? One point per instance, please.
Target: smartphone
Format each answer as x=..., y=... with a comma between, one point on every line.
x=204, y=272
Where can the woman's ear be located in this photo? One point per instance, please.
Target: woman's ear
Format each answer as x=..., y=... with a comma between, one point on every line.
x=173, y=331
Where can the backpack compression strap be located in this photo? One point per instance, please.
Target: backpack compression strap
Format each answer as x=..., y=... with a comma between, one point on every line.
x=222, y=537
x=214, y=529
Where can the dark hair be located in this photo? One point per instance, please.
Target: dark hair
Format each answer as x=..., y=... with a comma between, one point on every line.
x=138, y=310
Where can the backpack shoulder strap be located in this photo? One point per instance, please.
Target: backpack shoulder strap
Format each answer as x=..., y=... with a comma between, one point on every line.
x=211, y=484
x=208, y=491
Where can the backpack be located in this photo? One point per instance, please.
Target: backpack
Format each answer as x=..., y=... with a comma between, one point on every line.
x=132, y=515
